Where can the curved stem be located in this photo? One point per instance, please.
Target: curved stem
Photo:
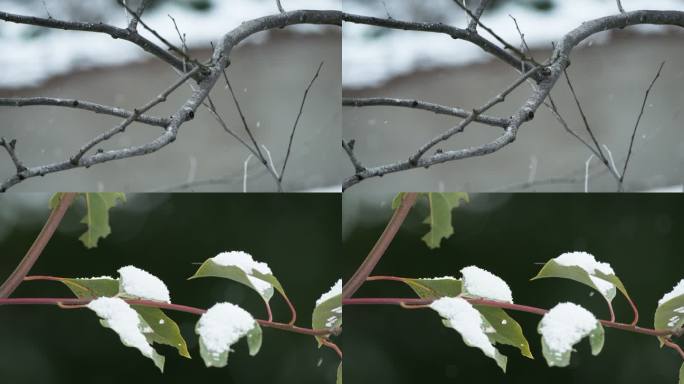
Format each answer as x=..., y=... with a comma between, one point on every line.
x=502, y=305
x=610, y=309
x=378, y=250
x=161, y=305
x=293, y=311
x=635, y=310
x=38, y=245
x=268, y=310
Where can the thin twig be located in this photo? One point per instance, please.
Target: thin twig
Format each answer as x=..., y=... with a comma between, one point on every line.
x=641, y=113
x=133, y=23
x=472, y=25
x=601, y=156
x=38, y=245
x=586, y=173
x=280, y=6
x=10, y=146
x=299, y=114
x=619, y=4
x=349, y=149
x=242, y=117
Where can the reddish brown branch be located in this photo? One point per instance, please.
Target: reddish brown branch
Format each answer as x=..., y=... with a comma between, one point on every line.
x=38, y=246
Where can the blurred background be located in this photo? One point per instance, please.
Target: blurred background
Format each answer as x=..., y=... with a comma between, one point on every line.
x=269, y=73
x=166, y=235
x=610, y=72
x=512, y=235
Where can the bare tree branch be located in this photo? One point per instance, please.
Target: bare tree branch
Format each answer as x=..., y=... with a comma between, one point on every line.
x=619, y=4
x=133, y=24
x=206, y=82
x=85, y=105
x=546, y=80
x=636, y=125
x=280, y=6
x=299, y=115
x=601, y=156
x=424, y=105
x=116, y=33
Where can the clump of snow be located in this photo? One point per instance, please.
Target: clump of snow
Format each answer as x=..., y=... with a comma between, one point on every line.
x=335, y=290
x=464, y=318
x=565, y=325
x=222, y=326
x=438, y=278
x=482, y=283
x=103, y=277
x=135, y=282
x=678, y=290
x=334, y=317
x=246, y=263
x=125, y=321
x=588, y=262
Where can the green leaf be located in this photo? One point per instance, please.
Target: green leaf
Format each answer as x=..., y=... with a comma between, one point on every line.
x=681, y=375
x=439, y=218
x=554, y=269
x=339, y=374
x=97, y=216
x=566, y=327
x=254, y=340
x=214, y=359
x=165, y=330
x=435, y=288
x=397, y=200
x=670, y=314
x=327, y=315
x=210, y=269
x=508, y=331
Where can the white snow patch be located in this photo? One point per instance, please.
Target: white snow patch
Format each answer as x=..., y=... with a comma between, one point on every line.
x=103, y=277
x=588, y=262
x=466, y=320
x=335, y=290
x=222, y=326
x=565, y=325
x=135, y=282
x=125, y=321
x=679, y=310
x=246, y=263
x=438, y=278
x=482, y=283
x=678, y=290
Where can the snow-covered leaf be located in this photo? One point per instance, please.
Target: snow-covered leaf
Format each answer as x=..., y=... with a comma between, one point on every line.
x=461, y=316
x=439, y=219
x=670, y=311
x=480, y=283
x=134, y=283
x=563, y=327
x=432, y=288
x=583, y=268
x=128, y=324
x=328, y=311
x=240, y=267
x=165, y=330
x=97, y=214
x=221, y=327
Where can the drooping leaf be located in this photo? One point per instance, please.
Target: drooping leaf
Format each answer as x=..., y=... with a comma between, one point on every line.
x=165, y=330
x=327, y=314
x=508, y=331
x=251, y=279
x=97, y=216
x=439, y=219
x=595, y=279
x=132, y=329
x=339, y=374
x=461, y=316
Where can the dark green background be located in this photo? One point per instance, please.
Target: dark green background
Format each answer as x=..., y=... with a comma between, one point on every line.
x=297, y=235
x=639, y=235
